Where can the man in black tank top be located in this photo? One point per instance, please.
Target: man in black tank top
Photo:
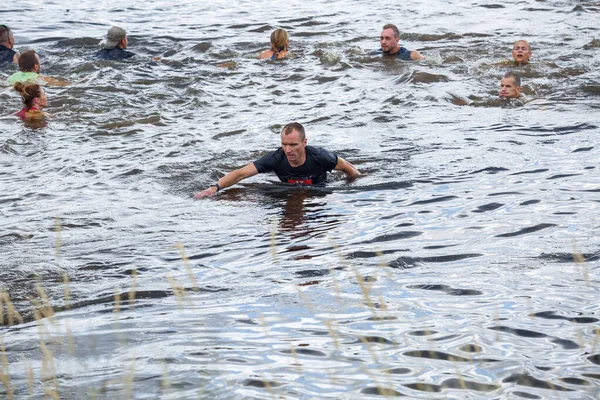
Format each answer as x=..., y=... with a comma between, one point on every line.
x=294, y=163
x=7, y=41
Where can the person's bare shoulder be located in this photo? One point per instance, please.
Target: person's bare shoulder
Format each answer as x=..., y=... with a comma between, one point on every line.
x=265, y=54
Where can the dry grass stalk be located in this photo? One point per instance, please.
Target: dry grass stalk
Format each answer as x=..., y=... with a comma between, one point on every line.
x=329, y=325
x=46, y=309
x=57, y=228
x=369, y=349
x=129, y=381
x=295, y=357
x=4, y=373
x=596, y=340
x=305, y=300
x=70, y=341
x=67, y=291
x=133, y=288
x=49, y=371
x=273, y=245
x=382, y=390
x=188, y=268
x=165, y=382
x=579, y=259
x=365, y=289
x=11, y=312
x=117, y=308
x=178, y=291
x=263, y=323
x=30, y=377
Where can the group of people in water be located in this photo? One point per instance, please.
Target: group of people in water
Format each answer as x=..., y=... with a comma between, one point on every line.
x=294, y=162
x=28, y=81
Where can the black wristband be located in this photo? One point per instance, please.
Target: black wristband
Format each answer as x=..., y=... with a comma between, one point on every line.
x=217, y=186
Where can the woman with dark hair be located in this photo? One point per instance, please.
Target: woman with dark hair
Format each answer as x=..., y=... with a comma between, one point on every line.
x=34, y=100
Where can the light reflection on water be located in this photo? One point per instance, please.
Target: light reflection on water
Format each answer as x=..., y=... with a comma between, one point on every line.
x=445, y=272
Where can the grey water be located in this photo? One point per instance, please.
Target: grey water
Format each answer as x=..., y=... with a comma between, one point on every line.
x=462, y=265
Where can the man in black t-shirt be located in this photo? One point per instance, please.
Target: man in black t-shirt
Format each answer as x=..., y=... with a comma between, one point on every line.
x=116, y=43
x=294, y=162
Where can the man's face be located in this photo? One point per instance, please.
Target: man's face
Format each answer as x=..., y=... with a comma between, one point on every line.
x=37, y=67
x=508, y=89
x=293, y=147
x=388, y=41
x=521, y=52
x=124, y=42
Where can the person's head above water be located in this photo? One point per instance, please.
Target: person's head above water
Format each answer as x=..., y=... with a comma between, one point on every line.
x=279, y=40
x=510, y=86
x=389, y=39
x=279, y=46
x=33, y=95
x=293, y=143
x=29, y=62
x=6, y=37
x=521, y=52
x=116, y=37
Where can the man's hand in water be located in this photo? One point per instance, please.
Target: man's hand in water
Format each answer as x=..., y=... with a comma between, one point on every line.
x=206, y=193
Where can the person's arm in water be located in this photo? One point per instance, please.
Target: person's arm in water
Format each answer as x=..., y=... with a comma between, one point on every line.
x=347, y=168
x=228, y=180
x=416, y=56
x=54, y=81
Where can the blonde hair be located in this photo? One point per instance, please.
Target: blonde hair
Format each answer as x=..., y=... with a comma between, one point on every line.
x=28, y=93
x=279, y=40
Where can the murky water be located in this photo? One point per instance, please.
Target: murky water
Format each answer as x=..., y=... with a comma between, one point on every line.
x=464, y=264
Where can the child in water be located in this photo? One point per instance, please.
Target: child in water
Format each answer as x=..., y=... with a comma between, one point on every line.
x=279, y=46
x=34, y=100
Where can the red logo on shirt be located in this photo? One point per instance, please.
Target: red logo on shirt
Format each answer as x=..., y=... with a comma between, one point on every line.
x=307, y=181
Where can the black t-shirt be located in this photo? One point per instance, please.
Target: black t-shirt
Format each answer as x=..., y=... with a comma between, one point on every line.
x=114, y=54
x=6, y=55
x=313, y=172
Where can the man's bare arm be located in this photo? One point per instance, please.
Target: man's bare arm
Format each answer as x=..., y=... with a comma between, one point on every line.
x=347, y=168
x=54, y=81
x=228, y=180
x=415, y=55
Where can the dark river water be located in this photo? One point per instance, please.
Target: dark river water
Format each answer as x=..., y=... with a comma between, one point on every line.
x=463, y=265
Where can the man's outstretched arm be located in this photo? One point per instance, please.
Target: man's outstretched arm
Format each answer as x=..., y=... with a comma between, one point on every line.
x=230, y=179
x=347, y=168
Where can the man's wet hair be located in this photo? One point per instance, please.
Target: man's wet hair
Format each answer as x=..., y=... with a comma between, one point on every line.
x=524, y=41
x=28, y=60
x=516, y=78
x=5, y=33
x=294, y=126
x=392, y=27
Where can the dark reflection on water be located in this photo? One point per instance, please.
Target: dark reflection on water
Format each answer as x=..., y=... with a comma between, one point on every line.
x=462, y=265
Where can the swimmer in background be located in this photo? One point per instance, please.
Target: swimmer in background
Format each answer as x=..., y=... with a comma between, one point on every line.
x=389, y=41
x=116, y=43
x=510, y=86
x=521, y=53
x=29, y=65
x=34, y=100
x=279, y=46
x=7, y=42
